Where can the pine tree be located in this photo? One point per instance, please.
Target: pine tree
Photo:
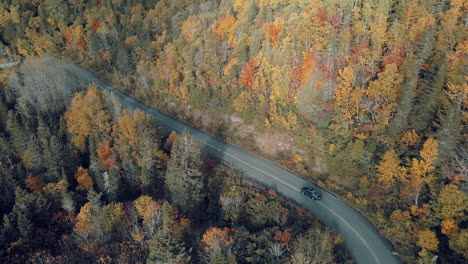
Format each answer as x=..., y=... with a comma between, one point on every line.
x=41, y=209
x=166, y=249
x=9, y=229
x=449, y=130
x=408, y=93
x=43, y=129
x=138, y=142
x=94, y=199
x=53, y=159
x=25, y=225
x=184, y=179
x=430, y=91
x=231, y=258
x=62, y=131
x=3, y=113
x=113, y=185
x=111, y=220
x=168, y=214
x=217, y=257
x=67, y=202
x=32, y=156
x=16, y=131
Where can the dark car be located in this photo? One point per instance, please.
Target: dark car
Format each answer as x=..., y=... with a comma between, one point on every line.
x=312, y=193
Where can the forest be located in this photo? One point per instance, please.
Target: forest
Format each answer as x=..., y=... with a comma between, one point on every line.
x=367, y=98
x=94, y=183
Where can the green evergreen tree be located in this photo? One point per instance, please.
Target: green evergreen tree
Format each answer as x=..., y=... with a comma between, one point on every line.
x=168, y=214
x=25, y=225
x=32, y=156
x=41, y=209
x=62, y=134
x=430, y=90
x=94, y=199
x=53, y=159
x=150, y=166
x=184, y=179
x=17, y=133
x=9, y=231
x=449, y=131
x=3, y=114
x=113, y=185
x=166, y=249
x=67, y=202
x=122, y=60
x=408, y=93
x=217, y=257
x=7, y=190
x=43, y=129
x=231, y=258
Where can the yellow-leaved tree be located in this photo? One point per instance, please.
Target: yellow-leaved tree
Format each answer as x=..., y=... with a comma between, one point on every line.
x=84, y=225
x=427, y=239
x=343, y=95
x=85, y=182
x=452, y=203
x=383, y=94
x=421, y=171
x=389, y=168
x=86, y=116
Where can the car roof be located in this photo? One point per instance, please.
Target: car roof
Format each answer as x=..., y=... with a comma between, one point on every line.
x=312, y=191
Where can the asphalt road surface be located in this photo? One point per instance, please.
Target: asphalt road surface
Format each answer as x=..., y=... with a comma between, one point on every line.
x=360, y=237
x=8, y=64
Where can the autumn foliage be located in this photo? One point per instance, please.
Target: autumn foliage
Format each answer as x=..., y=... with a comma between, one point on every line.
x=84, y=180
x=273, y=31
x=366, y=98
x=225, y=25
x=247, y=76
x=215, y=238
x=35, y=183
x=284, y=237
x=107, y=158
x=86, y=116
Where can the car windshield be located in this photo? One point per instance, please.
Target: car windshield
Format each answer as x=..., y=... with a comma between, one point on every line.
x=310, y=192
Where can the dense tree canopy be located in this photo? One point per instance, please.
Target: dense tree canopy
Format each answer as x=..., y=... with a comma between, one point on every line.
x=372, y=93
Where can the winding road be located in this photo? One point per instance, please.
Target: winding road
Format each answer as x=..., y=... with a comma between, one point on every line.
x=360, y=237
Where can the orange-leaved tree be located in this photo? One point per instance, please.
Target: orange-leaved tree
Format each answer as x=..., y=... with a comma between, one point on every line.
x=107, y=158
x=284, y=237
x=273, y=30
x=247, y=76
x=218, y=238
x=35, y=183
